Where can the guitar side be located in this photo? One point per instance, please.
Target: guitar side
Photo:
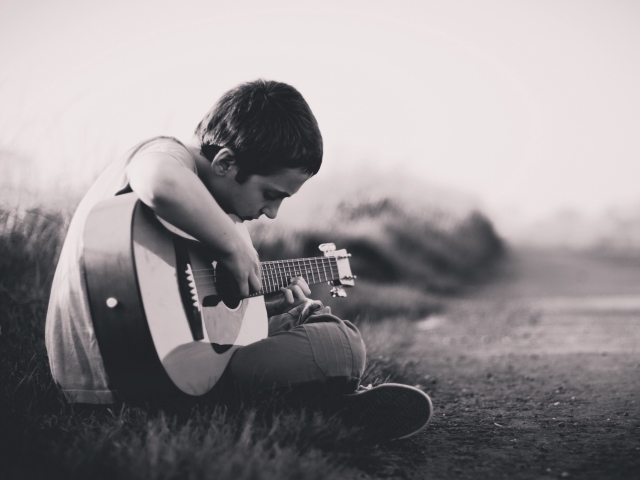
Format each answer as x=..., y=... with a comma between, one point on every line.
x=119, y=320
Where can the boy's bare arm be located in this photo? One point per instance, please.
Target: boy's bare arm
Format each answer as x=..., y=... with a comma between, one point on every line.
x=177, y=195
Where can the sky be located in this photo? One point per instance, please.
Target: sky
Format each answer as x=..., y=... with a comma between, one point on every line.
x=529, y=108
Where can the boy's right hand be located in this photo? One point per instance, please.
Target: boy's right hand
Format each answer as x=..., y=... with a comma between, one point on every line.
x=244, y=265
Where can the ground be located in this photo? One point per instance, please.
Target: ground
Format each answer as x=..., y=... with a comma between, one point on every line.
x=534, y=376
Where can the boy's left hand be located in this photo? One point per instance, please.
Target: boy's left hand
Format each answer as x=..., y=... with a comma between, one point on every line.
x=289, y=297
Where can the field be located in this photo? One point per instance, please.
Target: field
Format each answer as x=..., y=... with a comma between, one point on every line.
x=43, y=437
x=532, y=360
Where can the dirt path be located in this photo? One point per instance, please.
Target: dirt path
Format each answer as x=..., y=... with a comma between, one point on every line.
x=537, y=376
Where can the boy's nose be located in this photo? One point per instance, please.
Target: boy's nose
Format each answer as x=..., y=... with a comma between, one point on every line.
x=270, y=211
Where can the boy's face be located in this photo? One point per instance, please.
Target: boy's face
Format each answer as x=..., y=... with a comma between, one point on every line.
x=259, y=194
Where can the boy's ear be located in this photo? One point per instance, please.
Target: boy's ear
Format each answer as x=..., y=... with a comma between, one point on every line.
x=224, y=163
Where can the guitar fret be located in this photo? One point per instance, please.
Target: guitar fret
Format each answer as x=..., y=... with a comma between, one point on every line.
x=301, y=270
x=285, y=277
x=271, y=279
x=311, y=268
x=277, y=281
x=297, y=270
x=293, y=272
x=290, y=270
x=274, y=278
x=314, y=268
x=272, y=274
x=275, y=267
x=281, y=282
x=265, y=276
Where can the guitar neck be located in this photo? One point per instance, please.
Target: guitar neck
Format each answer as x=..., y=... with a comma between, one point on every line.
x=278, y=274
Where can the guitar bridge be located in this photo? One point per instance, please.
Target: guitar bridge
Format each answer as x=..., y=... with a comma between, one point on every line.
x=187, y=288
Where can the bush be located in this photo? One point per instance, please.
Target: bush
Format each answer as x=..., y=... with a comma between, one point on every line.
x=402, y=259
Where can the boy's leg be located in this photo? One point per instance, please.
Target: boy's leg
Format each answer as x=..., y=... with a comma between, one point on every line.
x=323, y=350
x=321, y=361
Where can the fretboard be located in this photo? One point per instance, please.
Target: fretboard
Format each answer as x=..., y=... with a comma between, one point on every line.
x=278, y=274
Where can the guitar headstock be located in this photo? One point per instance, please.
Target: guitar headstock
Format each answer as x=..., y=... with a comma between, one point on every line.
x=344, y=277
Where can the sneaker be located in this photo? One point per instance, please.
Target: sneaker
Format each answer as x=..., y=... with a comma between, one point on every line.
x=389, y=411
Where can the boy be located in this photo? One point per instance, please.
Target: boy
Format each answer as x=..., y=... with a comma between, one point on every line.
x=257, y=146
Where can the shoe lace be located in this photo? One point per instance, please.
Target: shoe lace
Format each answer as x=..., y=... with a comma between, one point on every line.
x=364, y=387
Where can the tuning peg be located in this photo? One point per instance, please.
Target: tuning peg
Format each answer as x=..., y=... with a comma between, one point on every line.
x=327, y=247
x=338, y=291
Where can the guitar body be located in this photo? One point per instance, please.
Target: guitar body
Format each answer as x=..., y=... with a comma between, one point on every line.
x=162, y=326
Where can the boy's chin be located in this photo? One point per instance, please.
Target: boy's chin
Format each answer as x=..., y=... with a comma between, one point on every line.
x=237, y=218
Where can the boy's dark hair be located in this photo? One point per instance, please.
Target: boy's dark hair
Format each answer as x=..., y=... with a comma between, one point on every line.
x=267, y=125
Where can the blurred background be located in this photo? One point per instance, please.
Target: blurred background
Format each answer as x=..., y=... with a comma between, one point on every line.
x=454, y=131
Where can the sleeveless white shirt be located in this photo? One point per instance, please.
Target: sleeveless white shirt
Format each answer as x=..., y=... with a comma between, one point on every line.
x=71, y=343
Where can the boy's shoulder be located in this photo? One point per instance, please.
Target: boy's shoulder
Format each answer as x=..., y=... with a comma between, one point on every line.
x=165, y=145
x=240, y=227
x=181, y=152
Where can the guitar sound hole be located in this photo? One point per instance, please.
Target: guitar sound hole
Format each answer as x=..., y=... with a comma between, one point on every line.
x=227, y=287
x=220, y=349
x=231, y=303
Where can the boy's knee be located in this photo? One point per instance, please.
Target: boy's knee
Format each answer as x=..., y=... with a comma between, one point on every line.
x=357, y=346
x=337, y=347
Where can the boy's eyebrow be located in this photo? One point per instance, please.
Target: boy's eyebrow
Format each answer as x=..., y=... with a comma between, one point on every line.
x=279, y=193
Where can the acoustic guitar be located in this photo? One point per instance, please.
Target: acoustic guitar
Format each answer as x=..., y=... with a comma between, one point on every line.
x=168, y=318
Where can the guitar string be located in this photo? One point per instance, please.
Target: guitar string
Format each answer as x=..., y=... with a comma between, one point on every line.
x=277, y=276
x=282, y=275
x=280, y=269
x=286, y=262
x=213, y=280
x=277, y=283
x=265, y=289
x=278, y=272
x=281, y=266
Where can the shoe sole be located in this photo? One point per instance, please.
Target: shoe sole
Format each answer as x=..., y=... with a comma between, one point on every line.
x=390, y=411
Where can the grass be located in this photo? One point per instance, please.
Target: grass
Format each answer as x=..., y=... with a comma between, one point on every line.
x=43, y=437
